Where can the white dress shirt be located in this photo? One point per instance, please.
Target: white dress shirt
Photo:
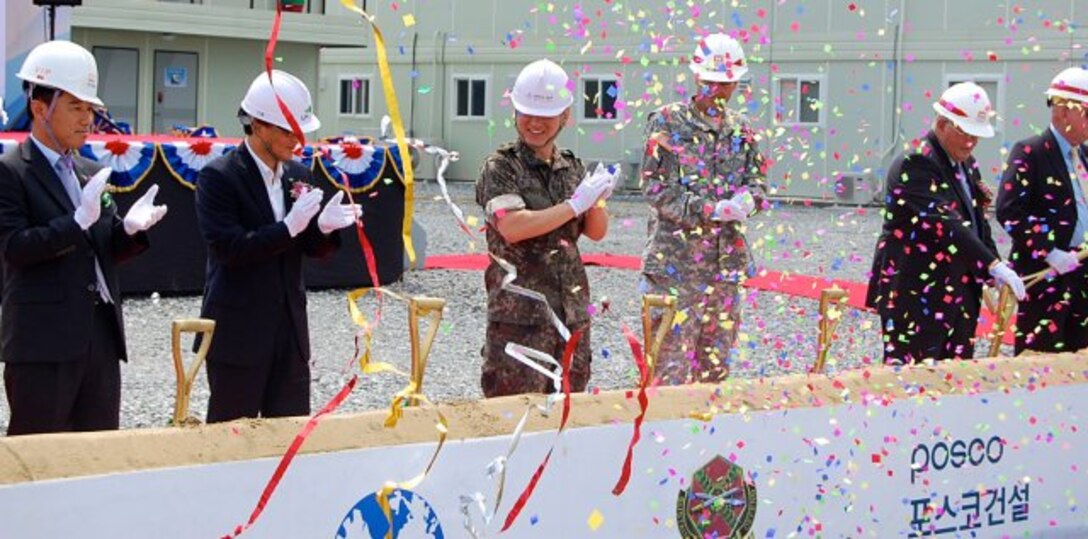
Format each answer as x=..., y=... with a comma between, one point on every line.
x=272, y=183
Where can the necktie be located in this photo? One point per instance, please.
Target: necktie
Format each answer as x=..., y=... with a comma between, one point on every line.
x=68, y=178
x=968, y=202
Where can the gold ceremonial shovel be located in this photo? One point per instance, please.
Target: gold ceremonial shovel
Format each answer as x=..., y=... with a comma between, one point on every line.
x=1006, y=308
x=185, y=377
x=830, y=316
x=422, y=307
x=652, y=347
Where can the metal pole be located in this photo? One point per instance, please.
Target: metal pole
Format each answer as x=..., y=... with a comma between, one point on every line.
x=51, y=13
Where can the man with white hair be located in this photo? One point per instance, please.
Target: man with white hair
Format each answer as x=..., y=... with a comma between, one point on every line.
x=1043, y=204
x=936, y=250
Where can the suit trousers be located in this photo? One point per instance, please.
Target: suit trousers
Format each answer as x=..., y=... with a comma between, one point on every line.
x=1054, y=318
x=277, y=386
x=72, y=396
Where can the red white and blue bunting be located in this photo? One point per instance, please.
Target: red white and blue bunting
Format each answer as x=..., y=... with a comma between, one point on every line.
x=360, y=163
x=130, y=160
x=185, y=159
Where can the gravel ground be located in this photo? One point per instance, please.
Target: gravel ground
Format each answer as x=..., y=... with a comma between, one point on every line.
x=778, y=332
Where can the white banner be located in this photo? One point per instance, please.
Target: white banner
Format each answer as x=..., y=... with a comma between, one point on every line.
x=996, y=464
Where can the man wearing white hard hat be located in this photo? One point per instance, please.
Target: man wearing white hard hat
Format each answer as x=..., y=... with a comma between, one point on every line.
x=704, y=176
x=260, y=213
x=539, y=201
x=1043, y=204
x=935, y=250
x=61, y=240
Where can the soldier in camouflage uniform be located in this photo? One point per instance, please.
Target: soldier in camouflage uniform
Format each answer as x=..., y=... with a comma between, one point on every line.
x=537, y=205
x=703, y=176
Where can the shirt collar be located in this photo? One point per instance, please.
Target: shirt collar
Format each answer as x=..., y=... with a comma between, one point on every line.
x=269, y=176
x=1063, y=144
x=48, y=152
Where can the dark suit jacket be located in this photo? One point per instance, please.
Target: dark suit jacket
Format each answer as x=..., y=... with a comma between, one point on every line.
x=49, y=277
x=254, y=269
x=1036, y=202
x=925, y=232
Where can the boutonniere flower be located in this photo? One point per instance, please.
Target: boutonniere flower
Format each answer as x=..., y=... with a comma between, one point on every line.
x=299, y=188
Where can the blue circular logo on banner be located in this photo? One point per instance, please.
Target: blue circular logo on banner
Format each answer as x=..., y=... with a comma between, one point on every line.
x=413, y=518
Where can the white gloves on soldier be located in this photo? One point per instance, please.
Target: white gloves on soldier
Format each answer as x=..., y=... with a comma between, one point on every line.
x=90, y=206
x=144, y=214
x=735, y=209
x=336, y=215
x=1004, y=275
x=304, y=209
x=1062, y=261
x=593, y=187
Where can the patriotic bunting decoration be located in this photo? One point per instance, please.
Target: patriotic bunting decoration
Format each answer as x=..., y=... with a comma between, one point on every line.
x=361, y=163
x=184, y=159
x=130, y=160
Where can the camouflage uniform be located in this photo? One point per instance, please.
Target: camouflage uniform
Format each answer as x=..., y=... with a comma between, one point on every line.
x=511, y=179
x=688, y=167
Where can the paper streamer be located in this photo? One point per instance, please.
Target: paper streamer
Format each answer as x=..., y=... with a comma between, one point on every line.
x=398, y=127
x=643, y=403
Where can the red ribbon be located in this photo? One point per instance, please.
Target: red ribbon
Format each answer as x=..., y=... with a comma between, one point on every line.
x=289, y=456
x=568, y=354
x=269, y=54
x=643, y=403
x=952, y=108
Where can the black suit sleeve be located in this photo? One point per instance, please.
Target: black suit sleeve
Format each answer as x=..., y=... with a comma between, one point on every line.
x=26, y=245
x=1016, y=200
x=318, y=245
x=126, y=247
x=917, y=203
x=228, y=240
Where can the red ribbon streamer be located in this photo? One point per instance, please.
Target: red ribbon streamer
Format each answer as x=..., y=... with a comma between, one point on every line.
x=289, y=456
x=568, y=355
x=269, y=54
x=643, y=403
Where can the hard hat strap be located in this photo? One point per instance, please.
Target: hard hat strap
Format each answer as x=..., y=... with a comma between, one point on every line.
x=65, y=155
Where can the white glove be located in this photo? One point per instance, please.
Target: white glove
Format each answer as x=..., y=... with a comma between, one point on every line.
x=612, y=175
x=1062, y=261
x=90, y=205
x=144, y=214
x=336, y=215
x=589, y=191
x=734, y=209
x=304, y=210
x=1004, y=275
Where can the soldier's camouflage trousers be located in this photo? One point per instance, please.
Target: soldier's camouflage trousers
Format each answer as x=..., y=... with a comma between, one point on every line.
x=696, y=349
x=504, y=375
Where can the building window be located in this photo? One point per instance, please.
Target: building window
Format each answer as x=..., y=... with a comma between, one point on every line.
x=355, y=96
x=797, y=100
x=992, y=85
x=600, y=96
x=470, y=93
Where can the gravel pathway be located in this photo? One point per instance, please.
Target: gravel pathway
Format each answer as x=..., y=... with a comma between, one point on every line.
x=778, y=332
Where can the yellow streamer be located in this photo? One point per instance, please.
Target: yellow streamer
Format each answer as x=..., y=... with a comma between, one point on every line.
x=409, y=394
x=398, y=127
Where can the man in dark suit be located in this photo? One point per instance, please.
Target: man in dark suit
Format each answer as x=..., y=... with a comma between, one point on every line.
x=255, y=208
x=1043, y=204
x=61, y=329
x=935, y=249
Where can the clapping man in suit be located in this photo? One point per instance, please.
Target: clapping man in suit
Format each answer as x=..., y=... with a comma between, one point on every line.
x=61, y=330
x=936, y=249
x=1043, y=204
x=256, y=208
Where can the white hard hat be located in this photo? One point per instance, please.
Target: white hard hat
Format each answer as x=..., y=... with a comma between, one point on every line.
x=541, y=90
x=260, y=101
x=1071, y=83
x=63, y=65
x=967, y=105
x=718, y=58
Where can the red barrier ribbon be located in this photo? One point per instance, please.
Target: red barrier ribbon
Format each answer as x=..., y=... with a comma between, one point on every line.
x=289, y=456
x=568, y=355
x=643, y=403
